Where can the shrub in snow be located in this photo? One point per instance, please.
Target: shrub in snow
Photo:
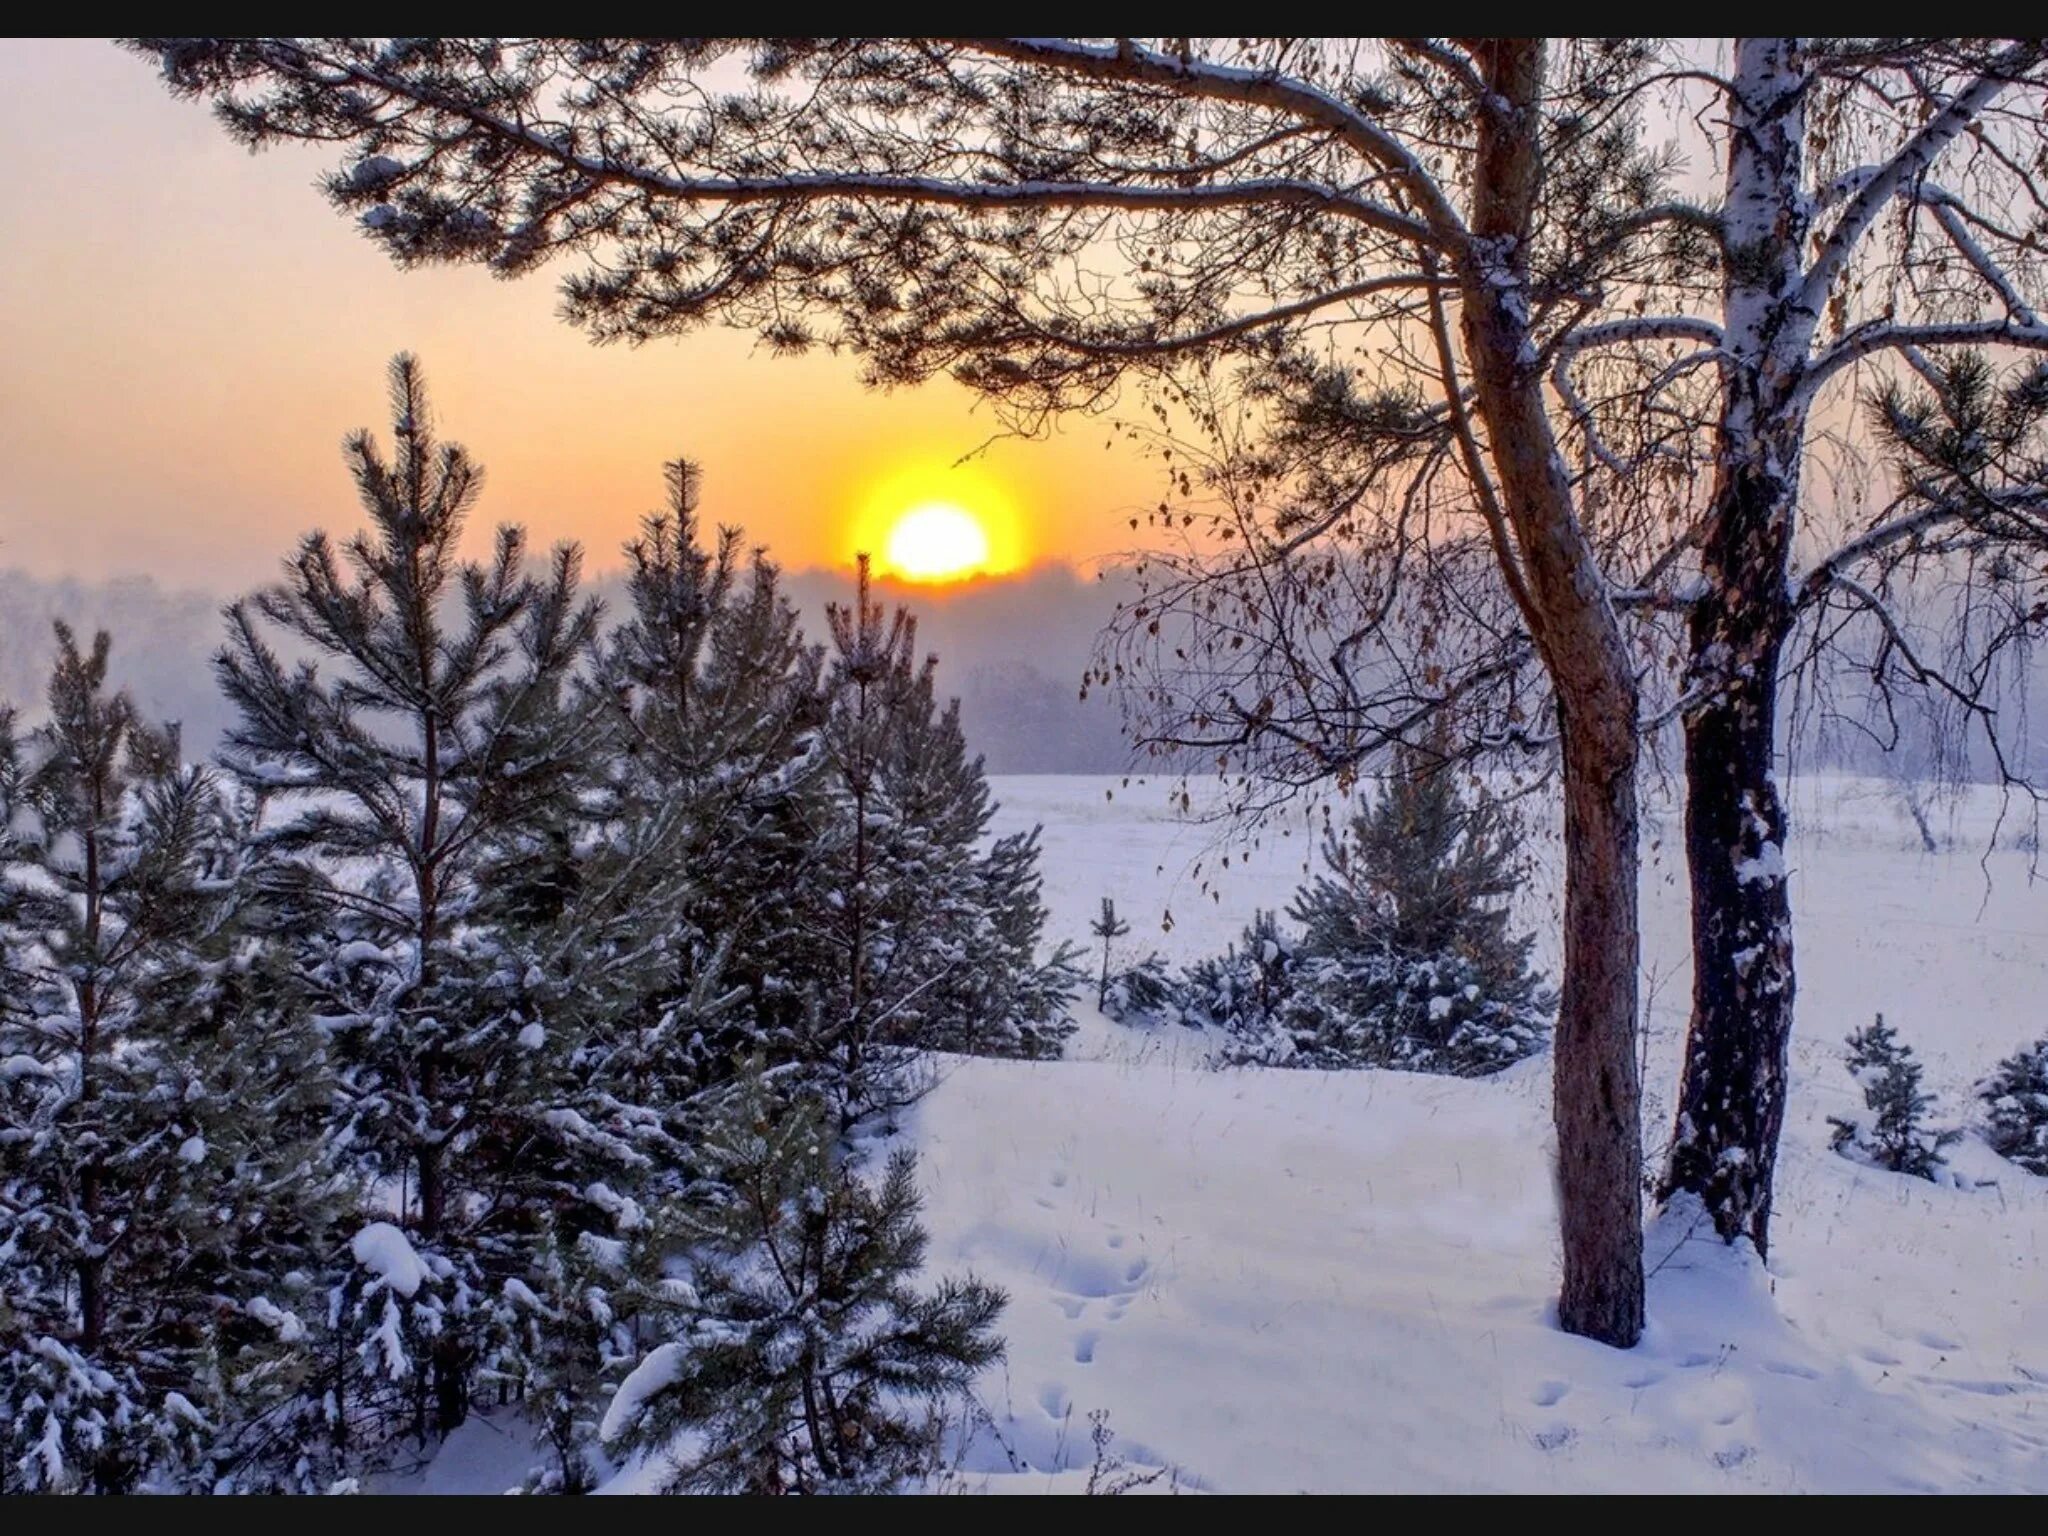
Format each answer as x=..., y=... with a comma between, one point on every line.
x=1405, y=957
x=2016, y=1100
x=1894, y=1134
x=1245, y=990
x=798, y=1356
x=1145, y=993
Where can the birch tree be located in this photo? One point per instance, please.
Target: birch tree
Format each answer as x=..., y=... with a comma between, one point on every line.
x=1876, y=240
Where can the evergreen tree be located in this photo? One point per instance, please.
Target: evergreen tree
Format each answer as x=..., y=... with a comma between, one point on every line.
x=716, y=699
x=427, y=739
x=167, y=1185
x=916, y=939
x=2016, y=1096
x=1895, y=1134
x=798, y=1357
x=1108, y=927
x=1146, y=993
x=998, y=998
x=1244, y=991
x=1406, y=958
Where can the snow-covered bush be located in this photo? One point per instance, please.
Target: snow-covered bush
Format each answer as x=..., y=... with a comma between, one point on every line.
x=1245, y=991
x=2016, y=1101
x=1145, y=994
x=1894, y=1133
x=797, y=1355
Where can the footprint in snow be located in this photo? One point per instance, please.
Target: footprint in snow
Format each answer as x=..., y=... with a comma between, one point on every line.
x=1788, y=1368
x=1550, y=1394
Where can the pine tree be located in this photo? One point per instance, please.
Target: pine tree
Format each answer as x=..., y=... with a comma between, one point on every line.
x=2016, y=1096
x=716, y=701
x=997, y=998
x=1147, y=993
x=1245, y=991
x=1406, y=958
x=167, y=1184
x=1895, y=1135
x=798, y=1357
x=428, y=735
x=916, y=940
x=1109, y=928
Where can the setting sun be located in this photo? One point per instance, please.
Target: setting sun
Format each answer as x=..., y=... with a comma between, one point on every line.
x=936, y=542
x=932, y=521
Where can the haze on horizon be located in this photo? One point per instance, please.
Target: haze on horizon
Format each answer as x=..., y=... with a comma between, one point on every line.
x=191, y=330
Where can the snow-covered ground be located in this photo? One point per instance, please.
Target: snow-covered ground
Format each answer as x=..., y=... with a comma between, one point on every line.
x=1274, y=1281
x=1284, y=1280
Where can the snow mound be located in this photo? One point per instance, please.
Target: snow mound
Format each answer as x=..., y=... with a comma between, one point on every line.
x=387, y=1253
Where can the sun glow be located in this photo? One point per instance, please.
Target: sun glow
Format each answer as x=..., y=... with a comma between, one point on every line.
x=938, y=523
x=936, y=542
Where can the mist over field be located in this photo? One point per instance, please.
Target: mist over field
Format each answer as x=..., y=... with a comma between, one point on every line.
x=1012, y=649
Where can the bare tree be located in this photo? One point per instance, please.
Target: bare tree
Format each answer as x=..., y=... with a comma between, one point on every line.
x=1050, y=219
x=1880, y=220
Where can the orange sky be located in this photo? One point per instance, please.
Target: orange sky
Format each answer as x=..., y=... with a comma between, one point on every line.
x=186, y=333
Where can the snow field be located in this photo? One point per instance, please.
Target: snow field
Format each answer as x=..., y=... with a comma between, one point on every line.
x=1278, y=1281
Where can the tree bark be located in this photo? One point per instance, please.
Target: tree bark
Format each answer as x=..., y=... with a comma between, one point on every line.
x=1731, y=1103
x=1731, y=1100
x=1564, y=595
x=1596, y=1095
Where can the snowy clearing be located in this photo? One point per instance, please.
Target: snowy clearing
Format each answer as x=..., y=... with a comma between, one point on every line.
x=1279, y=1281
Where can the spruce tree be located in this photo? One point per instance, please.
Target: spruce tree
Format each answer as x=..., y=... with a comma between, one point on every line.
x=167, y=1181
x=2016, y=1097
x=797, y=1355
x=1895, y=1133
x=1406, y=958
x=428, y=733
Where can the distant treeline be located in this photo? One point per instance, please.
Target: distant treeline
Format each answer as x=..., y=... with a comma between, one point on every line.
x=1014, y=650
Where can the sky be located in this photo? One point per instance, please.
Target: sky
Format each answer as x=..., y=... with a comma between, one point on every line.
x=188, y=331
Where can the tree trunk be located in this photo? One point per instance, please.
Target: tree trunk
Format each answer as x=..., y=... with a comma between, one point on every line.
x=1731, y=1100
x=1564, y=598
x=1596, y=1096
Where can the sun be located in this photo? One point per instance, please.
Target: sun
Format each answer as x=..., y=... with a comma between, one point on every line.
x=936, y=542
x=935, y=522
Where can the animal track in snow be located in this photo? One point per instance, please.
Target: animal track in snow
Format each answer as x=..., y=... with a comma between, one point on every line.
x=1551, y=1393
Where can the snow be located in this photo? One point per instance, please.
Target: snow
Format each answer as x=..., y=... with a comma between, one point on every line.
x=192, y=1150
x=1768, y=866
x=662, y=1368
x=386, y=1253
x=1278, y=1280
x=532, y=1037
x=285, y=1324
